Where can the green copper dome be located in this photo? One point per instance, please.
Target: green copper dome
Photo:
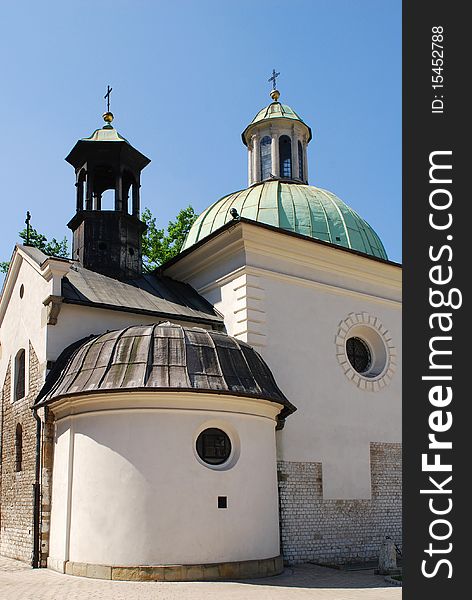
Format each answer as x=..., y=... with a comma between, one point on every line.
x=294, y=207
x=275, y=110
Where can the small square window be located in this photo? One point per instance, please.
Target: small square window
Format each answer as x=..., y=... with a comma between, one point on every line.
x=222, y=501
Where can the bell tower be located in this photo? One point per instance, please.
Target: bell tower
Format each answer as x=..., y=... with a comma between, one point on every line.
x=107, y=241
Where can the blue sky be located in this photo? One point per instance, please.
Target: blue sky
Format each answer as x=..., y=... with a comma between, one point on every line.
x=187, y=77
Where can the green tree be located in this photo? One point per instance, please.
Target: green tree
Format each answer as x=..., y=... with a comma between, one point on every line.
x=40, y=241
x=158, y=245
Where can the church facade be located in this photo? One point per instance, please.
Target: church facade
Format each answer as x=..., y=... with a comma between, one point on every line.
x=238, y=408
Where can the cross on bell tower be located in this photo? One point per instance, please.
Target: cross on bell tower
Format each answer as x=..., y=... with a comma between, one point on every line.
x=107, y=97
x=107, y=241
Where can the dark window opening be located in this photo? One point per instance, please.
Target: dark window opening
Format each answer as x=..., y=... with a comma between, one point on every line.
x=285, y=153
x=213, y=446
x=358, y=354
x=222, y=502
x=19, y=448
x=300, y=161
x=102, y=246
x=20, y=367
x=128, y=184
x=266, y=157
x=81, y=189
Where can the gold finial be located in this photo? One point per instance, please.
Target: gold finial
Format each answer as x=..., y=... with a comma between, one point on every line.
x=274, y=94
x=108, y=117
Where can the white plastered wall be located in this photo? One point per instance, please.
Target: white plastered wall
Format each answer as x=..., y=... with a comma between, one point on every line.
x=126, y=498
x=21, y=319
x=287, y=298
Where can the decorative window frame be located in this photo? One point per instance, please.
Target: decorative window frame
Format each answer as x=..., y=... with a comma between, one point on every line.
x=349, y=327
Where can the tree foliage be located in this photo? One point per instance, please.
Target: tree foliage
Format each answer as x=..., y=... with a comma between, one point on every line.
x=40, y=241
x=158, y=245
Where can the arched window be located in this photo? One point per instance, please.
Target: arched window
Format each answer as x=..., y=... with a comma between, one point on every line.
x=106, y=200
x=20, y=368
x=80, y=189
x=19, y=448
x=266, y=157
x=129, y=182
x=300, y=161
x=285, y=152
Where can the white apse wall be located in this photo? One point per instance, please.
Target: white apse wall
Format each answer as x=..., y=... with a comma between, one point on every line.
x=129, y=489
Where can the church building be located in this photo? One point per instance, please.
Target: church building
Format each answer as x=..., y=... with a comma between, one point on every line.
x=233, y=411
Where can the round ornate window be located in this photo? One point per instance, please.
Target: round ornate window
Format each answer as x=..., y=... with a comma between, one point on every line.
x=213, y=446
x=365, y=351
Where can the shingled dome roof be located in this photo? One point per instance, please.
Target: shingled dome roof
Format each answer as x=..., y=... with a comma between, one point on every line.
x=295, y=207
x=162, y=357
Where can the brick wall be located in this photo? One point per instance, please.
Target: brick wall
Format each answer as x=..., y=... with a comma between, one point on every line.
x=16, y=488
x=339, y=531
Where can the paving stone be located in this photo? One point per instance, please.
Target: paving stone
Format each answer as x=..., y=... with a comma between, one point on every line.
x=19, y=582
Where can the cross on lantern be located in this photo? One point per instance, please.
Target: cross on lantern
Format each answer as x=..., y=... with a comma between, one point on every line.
x=274, y=78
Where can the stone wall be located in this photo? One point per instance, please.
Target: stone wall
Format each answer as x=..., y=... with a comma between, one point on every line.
x=339, y=531
x=47, y=456
x=16, y=487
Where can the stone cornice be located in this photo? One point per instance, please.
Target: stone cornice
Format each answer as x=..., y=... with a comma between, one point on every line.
x=244, y=245
x=144, y=400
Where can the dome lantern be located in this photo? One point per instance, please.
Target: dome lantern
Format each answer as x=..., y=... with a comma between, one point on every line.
x=276, y=140
x=278, y=194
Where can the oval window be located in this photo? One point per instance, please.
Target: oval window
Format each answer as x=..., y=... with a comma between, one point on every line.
x=213, y=446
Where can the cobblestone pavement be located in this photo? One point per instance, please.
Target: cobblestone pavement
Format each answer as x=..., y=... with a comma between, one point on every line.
x=19, y=582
